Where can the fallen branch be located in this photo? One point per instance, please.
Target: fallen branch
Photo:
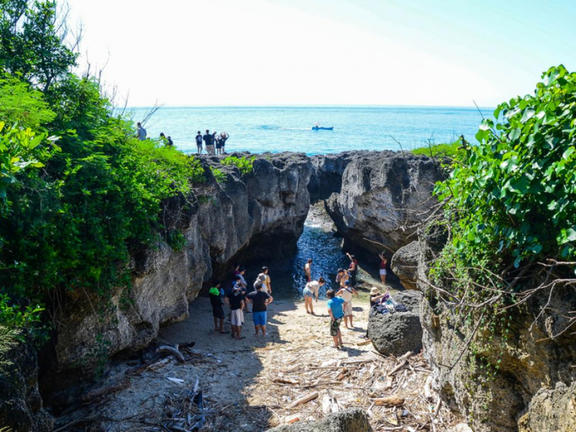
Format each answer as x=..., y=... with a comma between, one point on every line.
x=303, y=400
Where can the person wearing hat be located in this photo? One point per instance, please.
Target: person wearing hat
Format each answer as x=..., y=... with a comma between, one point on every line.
x=376, y=297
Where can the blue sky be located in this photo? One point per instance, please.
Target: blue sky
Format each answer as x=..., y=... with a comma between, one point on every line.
x=276, y=52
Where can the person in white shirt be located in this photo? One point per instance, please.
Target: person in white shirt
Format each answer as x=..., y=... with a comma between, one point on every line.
x=346, y=294
x=311, y=291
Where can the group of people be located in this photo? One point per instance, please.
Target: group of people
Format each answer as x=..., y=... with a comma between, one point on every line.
x=238, y=296
x=215, y=143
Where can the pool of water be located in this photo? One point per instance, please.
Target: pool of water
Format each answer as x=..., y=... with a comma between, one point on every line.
x=317, y=242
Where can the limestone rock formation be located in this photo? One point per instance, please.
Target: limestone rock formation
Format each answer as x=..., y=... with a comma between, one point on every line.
x=383, y=197
x=399, y=332
x=404, y=264
x=551, y=410
x=503, y=384
x=20, y=402
x=260, y=211
x=352, y=420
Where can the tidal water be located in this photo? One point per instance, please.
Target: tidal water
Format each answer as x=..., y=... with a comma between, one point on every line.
x=277, y=129
x=317, y=242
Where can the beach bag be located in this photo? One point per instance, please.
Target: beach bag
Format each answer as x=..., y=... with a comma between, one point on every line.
x=401, y=308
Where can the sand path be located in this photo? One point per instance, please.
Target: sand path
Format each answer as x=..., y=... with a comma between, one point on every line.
x=249, y=384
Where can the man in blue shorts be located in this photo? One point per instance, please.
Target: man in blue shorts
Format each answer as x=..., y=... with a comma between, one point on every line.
x=260, y=299
x=336, y=311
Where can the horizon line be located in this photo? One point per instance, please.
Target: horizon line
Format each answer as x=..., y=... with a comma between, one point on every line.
x=311, y=106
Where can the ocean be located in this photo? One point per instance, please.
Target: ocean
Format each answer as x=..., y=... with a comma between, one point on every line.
x=277, y=129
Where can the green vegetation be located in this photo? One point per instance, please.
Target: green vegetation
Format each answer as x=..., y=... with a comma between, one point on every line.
x=510, y=215
x=514, y=195
x=451, y=151
x=78, y=192
x=244, y=164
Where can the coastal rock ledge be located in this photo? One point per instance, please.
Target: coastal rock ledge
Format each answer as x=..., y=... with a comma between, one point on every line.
x=220, y=221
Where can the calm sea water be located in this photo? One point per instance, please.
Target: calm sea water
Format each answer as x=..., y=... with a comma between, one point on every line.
x=276, y=129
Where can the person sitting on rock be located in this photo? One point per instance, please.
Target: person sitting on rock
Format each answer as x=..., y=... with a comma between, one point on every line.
x=346, y=294
x=311, y=290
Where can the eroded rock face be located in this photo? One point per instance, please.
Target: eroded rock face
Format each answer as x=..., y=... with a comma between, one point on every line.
x=21, y=407
x=404, y=264
x=551, y=410
x=352, y=420
x=264, y=210
x=505, y=383
x=384, y=196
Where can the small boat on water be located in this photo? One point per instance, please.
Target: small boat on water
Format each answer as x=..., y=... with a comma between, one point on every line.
x=316, y=127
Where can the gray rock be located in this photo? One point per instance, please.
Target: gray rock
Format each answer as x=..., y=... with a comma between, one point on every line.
x=395, y=333
x=383, y=197
x=404, y=264
x=551, y=410
x=20, y=402
x=352, y=420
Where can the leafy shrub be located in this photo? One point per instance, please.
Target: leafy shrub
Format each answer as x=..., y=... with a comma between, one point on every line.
x=515, y=194
x=218, y=174
x=244, y=164
x=452, y=151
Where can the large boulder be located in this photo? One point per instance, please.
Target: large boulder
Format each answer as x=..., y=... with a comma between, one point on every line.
x=383, y=198
x=352, y=420
x=399, y=332
x=404, y=264
x=20, y=402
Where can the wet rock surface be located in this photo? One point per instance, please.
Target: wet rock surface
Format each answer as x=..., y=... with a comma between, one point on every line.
x=353, y=420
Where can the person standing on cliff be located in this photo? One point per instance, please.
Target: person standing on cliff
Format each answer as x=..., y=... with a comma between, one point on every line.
x=383, y=264
x=140, y=131
x=260, y=299
x=223, y=137
x=208, y=141
x=199, y=142
x=353, y=269
x=336, y=313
